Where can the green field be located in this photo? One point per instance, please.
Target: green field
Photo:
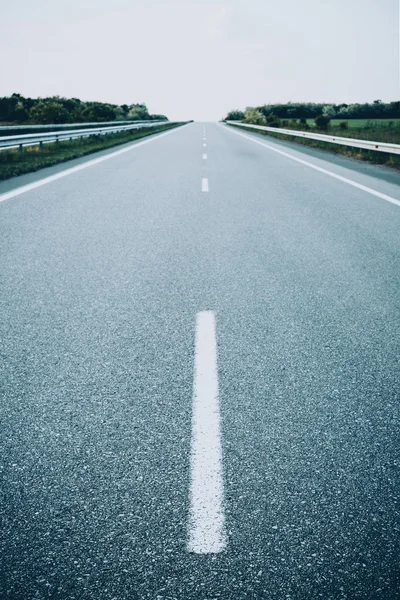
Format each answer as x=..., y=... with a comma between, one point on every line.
x=377, y=130
x=361, y=123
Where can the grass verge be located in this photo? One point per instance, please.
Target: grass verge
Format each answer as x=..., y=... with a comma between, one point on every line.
x=386, y=124
x=378, y=158
x=32, y=158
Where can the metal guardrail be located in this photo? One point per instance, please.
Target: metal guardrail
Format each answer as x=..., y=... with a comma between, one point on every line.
x=54, y=126
x=333, y=139
x=32, y=139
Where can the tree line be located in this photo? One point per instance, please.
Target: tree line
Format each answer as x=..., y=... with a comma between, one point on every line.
x=311, y=110
x=16, y=109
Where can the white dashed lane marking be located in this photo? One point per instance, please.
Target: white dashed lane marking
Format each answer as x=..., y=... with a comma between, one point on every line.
x=206, y=518
x=204, y=184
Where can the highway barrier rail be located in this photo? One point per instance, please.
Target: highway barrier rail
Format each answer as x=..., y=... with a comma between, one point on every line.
x=5, y=129
x=30, y=139
x=333, y=139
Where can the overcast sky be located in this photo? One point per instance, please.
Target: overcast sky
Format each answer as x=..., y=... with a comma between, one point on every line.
x=198, y=59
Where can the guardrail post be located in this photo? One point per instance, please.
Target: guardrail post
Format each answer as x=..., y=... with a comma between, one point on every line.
x=20, y=147
x=40, y=145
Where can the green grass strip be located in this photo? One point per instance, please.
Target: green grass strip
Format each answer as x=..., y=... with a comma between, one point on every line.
x=32, y=158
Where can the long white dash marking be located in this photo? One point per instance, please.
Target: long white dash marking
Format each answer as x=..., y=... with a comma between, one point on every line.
x=206, y=518
x=204, y=156
x=31, y=186
x=204, y=184
x=325, y=171
x=204, y=145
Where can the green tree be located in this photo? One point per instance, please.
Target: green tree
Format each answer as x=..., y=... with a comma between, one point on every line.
x=49, y=111
x=235, y=115
x=97, y=112
x=56, y=109
x=254, y=116
x=138, y=112
x=329, y=110
x=21, y=115
x=8, y=106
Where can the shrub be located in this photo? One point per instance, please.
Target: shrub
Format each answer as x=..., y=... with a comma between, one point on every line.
x=303, y=124
x=273, y=121
x=344, y=125
x=322, y=122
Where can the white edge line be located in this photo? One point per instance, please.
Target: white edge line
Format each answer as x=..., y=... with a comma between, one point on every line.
x=206, y=516
x=31, y=186
x=204, y=184
x=325, y=171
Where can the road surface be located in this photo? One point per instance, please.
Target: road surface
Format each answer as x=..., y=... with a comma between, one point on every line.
x=200, y=374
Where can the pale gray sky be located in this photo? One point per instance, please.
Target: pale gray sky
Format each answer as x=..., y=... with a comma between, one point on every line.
x=199, y=59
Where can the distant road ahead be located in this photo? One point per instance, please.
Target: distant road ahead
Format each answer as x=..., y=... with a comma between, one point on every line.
x=200, y=374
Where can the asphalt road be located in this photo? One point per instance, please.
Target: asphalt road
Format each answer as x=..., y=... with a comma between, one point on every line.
x=103, y=275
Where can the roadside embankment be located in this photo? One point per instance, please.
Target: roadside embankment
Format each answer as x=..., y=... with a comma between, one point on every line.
x=32, y=158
